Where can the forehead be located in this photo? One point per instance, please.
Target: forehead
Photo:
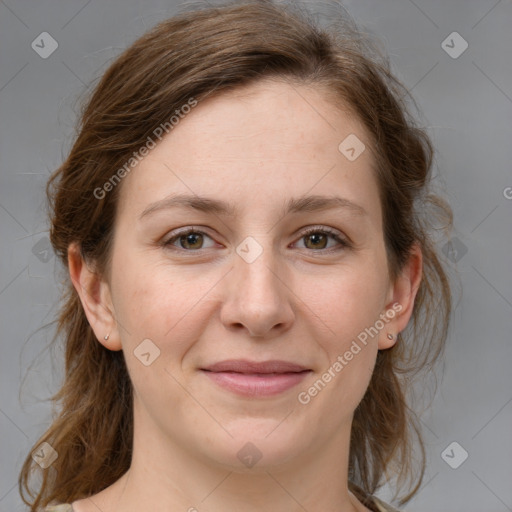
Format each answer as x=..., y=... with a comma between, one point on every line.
x=268, y=139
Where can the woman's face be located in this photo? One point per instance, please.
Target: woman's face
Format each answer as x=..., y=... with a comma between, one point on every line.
x=249, y=173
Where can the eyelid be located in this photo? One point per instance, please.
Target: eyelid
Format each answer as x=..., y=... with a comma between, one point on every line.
x=177, y=234
x=343, y=241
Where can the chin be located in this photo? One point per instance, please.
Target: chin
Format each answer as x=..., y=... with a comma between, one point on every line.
x=256, y=445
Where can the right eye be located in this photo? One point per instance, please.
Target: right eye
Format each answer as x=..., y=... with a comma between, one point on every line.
x=189, y=240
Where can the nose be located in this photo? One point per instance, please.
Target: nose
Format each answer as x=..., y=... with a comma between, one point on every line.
x=258, y=297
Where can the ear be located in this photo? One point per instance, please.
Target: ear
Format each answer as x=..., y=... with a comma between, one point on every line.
x=94, y=293
x=401, y=298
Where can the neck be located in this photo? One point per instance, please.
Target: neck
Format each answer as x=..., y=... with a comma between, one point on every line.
x=165, y=474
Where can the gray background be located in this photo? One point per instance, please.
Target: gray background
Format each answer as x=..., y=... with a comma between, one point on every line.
x=467, y=105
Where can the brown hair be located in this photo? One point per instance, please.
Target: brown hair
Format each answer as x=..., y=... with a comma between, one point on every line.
x=208, y=51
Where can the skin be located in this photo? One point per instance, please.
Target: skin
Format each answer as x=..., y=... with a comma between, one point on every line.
x=298, y=301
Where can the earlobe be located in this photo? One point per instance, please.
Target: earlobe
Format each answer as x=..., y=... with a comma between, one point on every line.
x=402, y=296
x=95, y=297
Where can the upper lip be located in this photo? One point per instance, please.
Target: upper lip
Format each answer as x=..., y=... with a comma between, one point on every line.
x=245, y=366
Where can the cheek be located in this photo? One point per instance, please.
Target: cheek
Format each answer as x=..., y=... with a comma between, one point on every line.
x=350, y=353
x=153, y=301
x=155, y=318
x=332, y=397
x=351, y=302
x=350, y=306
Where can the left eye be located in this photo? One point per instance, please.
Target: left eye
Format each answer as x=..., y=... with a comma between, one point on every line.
x=319, y=238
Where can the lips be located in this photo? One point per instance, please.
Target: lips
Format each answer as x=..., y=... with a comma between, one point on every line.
x=256, y=379
x=253, y=367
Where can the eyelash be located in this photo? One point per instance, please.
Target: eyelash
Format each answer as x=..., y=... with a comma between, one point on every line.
x=344, y=243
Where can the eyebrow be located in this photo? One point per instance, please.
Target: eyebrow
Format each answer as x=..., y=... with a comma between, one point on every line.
x=312, y=203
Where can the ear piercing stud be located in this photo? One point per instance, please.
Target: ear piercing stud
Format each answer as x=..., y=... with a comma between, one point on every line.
x=390, y=337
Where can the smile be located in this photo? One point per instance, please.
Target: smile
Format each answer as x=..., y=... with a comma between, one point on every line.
x=257, y=384
x=255, y=379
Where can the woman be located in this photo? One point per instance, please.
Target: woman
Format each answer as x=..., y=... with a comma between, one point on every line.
x=244, y=218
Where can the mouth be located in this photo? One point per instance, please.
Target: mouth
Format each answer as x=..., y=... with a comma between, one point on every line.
x=256, y=379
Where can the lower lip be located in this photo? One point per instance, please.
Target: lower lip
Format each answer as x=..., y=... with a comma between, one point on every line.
x=256, y=385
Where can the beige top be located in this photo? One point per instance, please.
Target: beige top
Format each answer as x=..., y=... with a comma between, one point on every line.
x=378, y=506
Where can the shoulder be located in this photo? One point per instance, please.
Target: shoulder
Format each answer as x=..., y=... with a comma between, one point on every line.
x=380, y=506
x=61, y=507
x=370, y=501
